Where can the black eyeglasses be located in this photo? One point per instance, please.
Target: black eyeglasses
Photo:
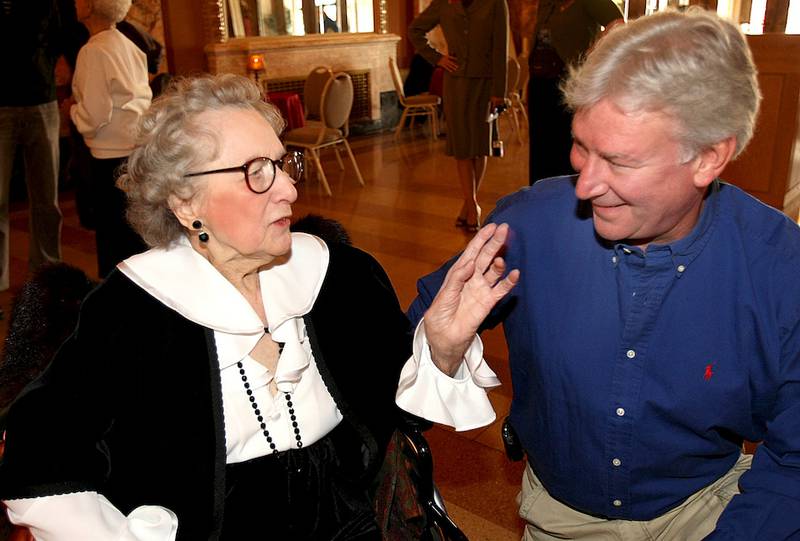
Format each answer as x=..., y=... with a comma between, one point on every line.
x=259, y=173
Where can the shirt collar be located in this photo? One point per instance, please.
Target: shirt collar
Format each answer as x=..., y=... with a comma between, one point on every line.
x=686, y=249
x=185, y=281
x=690, y=245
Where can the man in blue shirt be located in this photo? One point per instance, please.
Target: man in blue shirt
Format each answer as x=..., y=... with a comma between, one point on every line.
x=655, y=323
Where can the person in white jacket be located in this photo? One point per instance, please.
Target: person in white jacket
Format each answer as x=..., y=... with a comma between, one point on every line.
x=111, y=91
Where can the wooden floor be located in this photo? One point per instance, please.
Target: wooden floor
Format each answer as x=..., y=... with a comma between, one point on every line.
x=405, y=217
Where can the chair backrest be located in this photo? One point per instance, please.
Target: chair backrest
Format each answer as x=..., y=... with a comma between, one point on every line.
x=512, y=75
x=312, y=90
x=524, y=76
x=337, y=101
x=397, y=79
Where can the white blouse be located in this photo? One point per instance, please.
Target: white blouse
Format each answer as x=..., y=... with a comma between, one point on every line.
x=289, y=289
x=186, y=282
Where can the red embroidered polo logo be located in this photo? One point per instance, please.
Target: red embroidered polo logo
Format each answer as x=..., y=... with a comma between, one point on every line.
x=709, y=371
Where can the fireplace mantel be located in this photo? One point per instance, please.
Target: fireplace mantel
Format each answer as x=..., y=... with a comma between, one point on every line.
x=293, y=57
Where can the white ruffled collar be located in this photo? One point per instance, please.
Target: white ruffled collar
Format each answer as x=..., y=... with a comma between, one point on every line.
x=185, y=281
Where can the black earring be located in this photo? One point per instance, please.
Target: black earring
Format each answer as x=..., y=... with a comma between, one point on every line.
x=203, y=236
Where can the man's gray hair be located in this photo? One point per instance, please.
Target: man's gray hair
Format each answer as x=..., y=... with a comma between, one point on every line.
x=112, y=10
x=694, y=66
x=171, y=142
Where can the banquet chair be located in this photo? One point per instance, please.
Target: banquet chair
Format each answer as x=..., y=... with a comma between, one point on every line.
x=332, y=130
x=515, y=106
x=312, y=91
x=426, y=105
x=519, y=91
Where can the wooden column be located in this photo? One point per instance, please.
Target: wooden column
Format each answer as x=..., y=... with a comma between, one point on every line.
x=636, y=8
x=310, y=19
x=344, y=24
x=769, y=168
x=775, y=16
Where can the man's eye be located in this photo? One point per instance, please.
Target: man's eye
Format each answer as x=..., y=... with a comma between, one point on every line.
x=619, y=165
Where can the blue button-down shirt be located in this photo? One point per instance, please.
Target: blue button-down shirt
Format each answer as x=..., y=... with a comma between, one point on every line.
x=637, y=375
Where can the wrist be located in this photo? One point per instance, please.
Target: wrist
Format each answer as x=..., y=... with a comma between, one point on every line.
x=447, y=362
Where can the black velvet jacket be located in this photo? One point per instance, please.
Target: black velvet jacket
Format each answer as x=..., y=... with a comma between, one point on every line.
x=131, y=406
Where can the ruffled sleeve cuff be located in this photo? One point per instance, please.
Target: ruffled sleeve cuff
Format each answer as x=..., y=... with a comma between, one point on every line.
x=151, y=523
x=459, y=401
x=89, y=516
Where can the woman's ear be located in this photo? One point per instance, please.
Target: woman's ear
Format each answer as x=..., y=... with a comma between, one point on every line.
x=183, y=209
x=713, y=160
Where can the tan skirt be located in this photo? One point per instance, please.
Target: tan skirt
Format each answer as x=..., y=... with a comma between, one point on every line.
x=466, y=104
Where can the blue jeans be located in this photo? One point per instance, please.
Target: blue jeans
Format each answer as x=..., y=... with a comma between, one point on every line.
x=35, y=130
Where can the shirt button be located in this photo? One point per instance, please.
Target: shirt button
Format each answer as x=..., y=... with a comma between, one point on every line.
x=681, y=268
x=617, y=503
x=620, y=411
x=616, y=462
x=631, y=354
x=614, y=259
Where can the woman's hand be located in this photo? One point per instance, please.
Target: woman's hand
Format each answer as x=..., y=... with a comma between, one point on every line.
x=448, y=62
x=473, y=285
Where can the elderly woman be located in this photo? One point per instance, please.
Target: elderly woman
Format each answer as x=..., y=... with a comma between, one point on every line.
x=111, y=92
x=236, y=381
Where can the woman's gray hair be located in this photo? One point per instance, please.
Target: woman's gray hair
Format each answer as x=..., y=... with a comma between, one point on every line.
x=112, y=10
x=171, y=142
x=693, y=66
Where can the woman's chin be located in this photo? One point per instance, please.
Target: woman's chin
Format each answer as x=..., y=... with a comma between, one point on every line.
x=281, y=247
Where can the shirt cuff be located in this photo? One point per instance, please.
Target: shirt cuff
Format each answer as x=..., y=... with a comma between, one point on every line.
x=89, y=516
x=459, y=401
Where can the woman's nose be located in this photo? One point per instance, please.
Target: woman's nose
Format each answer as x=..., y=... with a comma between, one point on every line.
x=284, y=185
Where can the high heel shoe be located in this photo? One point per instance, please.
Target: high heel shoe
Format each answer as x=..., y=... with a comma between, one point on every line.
x=476, y=225
x=472, y=228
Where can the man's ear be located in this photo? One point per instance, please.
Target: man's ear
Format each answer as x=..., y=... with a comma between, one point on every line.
x=183, y=209
x=712, y=161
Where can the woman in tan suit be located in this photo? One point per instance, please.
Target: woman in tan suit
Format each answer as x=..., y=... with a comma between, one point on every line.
x=475, y=79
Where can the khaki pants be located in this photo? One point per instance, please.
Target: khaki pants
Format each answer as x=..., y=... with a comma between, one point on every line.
x=548, y=519
x=35, y=130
